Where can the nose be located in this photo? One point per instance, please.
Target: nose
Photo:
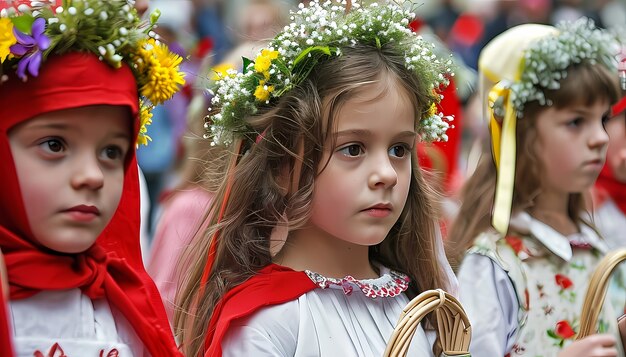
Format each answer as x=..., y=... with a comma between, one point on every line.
x=87, y=173
x=599, y=138
x=383, y=174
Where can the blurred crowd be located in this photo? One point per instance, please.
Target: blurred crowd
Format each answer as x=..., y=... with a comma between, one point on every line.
x=214, y=35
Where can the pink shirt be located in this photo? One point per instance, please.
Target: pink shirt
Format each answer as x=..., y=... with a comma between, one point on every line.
x=182, y=215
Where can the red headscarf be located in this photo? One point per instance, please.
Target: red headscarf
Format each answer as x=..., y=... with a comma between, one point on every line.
x=112, y=268
x=606, y=183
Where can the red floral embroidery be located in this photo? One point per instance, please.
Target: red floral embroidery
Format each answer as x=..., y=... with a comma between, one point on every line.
x=564, y=330
x=563, y=281
x=112, y=353
x=52, y=352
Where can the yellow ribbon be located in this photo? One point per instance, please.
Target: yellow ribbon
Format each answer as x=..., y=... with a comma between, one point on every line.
x=503, y=148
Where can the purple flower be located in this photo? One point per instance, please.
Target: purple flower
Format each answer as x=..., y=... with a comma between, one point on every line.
x=30, y=47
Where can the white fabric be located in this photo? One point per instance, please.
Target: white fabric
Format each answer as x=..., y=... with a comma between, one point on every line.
x=80, y=326
x=490, y=302
x=324, y=322
x=611, y=223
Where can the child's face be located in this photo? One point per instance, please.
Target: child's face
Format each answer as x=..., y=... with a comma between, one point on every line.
x=571, y=144
x=616, y=153
x=361, y=192
x=70, y=167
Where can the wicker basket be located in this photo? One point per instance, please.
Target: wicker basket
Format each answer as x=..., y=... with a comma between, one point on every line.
x=453, y=327
x=596, y=293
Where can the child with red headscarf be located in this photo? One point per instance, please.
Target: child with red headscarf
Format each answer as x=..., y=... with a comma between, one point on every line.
x=77, y=86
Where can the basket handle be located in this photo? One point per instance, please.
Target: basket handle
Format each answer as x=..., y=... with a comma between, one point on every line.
x=596, y=292
x=453, y=326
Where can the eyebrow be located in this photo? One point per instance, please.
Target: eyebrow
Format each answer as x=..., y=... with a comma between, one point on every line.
x=368, y=134
x=585, y=111
x=63, y=126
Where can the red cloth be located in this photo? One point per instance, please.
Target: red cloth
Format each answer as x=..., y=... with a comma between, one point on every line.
x=618, y=107
x=607, y=185
x=112, y=268
x=272, y=285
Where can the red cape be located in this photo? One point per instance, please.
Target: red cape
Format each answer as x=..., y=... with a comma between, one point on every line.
x=272, y=285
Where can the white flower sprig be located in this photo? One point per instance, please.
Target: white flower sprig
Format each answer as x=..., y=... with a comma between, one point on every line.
x=545, y=63
x=319, y=31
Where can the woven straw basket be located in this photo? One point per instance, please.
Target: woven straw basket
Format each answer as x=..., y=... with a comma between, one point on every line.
x=596, y=293
x=453, y=327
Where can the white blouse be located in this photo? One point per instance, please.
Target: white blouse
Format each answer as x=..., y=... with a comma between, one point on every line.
x=611, y=223
x=67, y=322
x=337, y=319
x=489, y=296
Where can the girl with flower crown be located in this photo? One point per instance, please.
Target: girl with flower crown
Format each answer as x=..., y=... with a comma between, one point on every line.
x=523, y=237
x=69, y=189
x=323, y=228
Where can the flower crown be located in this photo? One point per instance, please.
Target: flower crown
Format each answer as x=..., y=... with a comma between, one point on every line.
x=110, y=29
x=546, y=61
x=316, y=33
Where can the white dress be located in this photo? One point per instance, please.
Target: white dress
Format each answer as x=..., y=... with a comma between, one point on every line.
x=344, y=317
x=611, y=223
x=68, y=323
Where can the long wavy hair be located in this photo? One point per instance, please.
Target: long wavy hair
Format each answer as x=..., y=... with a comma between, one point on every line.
x=585, y=83
x=258, y=197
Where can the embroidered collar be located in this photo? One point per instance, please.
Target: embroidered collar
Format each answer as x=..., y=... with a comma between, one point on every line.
x=556, y=242
x=389, y=284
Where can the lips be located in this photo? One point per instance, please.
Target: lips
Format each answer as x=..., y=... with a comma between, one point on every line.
x=380, y=210
x=82, y=213
x=84, y=209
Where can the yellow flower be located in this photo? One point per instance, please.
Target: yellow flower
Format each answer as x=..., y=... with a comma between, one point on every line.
x=161, y=78
x=145, y=119
x=221, y=70
x=262, y=64
x=270, y=53
x=7, y=39
x=432, y=110
x=264, y=60
x=262, y=91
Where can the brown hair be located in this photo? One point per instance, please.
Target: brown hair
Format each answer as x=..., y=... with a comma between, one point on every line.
x=257, y=199
x=584, y=84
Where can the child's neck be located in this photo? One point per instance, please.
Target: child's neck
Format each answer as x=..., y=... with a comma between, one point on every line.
x=332, y=257
x=551, y=208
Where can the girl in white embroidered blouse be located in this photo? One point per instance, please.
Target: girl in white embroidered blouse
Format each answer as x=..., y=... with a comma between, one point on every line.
x=328, y=229
x=526, y=252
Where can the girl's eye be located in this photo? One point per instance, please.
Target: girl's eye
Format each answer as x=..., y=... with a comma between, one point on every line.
x=351, y=150
x=52, y=146
x=575, y=122
x=399, y=151
x=113, y=153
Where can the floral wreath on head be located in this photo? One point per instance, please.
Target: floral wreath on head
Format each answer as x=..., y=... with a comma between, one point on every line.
x=318, y=31
x=546, y=61
x=110, y=29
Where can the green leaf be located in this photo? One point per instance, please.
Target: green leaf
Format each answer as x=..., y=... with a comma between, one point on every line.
x=154, y=16
x=552, y=334
x=23, y=23
x=324, y=49
x=246, y=63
